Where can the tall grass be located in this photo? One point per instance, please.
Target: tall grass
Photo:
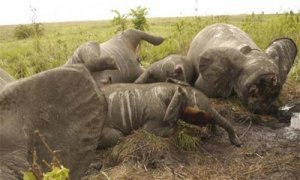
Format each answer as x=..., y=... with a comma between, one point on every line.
x=23, y=58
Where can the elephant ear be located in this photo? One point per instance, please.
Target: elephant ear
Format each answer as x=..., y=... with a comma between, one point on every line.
x=283, y=52
x=173, y=109
x=67, y=108
x=220, y=67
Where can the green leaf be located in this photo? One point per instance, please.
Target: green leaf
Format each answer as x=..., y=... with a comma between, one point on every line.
x=57, y=173
x=28, y=176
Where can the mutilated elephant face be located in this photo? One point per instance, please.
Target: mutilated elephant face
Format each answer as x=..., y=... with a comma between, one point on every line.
x=255, y=76
x=258, y=85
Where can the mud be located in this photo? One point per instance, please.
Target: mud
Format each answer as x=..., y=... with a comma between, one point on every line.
x=270, y=149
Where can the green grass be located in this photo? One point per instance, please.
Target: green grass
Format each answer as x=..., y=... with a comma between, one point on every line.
x=23, y=58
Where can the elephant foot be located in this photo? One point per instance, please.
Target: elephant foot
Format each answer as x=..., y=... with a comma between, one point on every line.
x=235, y=141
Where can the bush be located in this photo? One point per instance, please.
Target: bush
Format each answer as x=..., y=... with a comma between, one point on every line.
x=26, y=31
x=139, y=18
x=119, y=20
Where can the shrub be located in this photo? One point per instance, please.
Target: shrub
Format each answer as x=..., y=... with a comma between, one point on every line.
x=139, y=18
x=119, y=20
x=26, y=31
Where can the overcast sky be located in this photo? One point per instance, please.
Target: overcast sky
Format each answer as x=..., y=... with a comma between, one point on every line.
x=18, y=11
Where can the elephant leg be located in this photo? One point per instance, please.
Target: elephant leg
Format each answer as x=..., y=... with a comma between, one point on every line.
x=109, y=137
x=222, y=122
x=159, y=128
x=100, y=64
x=142, y=79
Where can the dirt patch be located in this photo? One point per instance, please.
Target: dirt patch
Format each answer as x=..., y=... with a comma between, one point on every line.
x=270, y=149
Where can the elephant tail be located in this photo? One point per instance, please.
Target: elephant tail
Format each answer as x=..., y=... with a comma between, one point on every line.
x=135, y=36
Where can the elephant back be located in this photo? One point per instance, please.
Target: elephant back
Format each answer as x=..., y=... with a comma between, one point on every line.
x=5, y=78
x=67, y=108
x=218, y=35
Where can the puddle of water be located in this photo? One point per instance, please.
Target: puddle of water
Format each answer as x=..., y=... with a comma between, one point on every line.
x=295, y=121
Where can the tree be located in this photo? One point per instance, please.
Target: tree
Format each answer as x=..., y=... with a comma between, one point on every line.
x=119, y=20
x=139, y=18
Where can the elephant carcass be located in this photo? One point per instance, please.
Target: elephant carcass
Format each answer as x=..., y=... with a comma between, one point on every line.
x=173, y=66
x=122, y=49
x=67, y=108
x=5, y=78
x=156, y=108
x=226, y=59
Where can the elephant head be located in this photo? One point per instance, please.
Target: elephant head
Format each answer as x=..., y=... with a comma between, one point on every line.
x=255, y=76
x=65, y=105
x=173, y=66
x=5, y=78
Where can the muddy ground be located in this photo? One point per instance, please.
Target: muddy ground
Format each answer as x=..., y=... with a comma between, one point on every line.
x=270, y=150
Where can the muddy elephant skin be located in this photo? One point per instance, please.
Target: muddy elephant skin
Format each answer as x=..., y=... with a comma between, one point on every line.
x=122, y=49
x=67, y=108
x=173, y=66
x=156, y=108
x=227, y=60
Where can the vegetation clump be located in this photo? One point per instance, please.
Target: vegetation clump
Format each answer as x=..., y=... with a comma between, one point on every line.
x=58, y=171
x=27, y=31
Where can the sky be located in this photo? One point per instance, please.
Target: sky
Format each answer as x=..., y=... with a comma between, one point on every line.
x=19, y=11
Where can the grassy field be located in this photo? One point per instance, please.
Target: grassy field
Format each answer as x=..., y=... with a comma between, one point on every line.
x=25, y=57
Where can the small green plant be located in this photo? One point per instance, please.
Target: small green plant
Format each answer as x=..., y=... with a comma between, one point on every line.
x=58, y=171
x=187, y=141
x=120, y=20
x=139, y=20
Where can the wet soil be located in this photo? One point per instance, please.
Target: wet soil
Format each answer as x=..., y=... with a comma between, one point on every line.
x=270, y=150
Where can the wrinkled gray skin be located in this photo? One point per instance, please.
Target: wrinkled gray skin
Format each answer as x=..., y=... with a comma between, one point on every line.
x=156, y=108
x=5, y=78
x=226, y=59
x=122, y=49
x=173, y=66
x=65, y=105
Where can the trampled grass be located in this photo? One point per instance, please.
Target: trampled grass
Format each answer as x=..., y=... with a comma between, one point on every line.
x=23, y=58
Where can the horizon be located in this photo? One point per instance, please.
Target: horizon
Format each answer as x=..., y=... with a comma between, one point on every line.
x=56, y=11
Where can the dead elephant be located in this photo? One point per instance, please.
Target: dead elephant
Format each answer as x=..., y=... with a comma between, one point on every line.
x=156, y=108
x=227, y=60
x=122, y=49
x=65, y=105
